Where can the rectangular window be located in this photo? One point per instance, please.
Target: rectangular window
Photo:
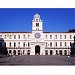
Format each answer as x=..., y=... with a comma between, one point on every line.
x=24, y=36
x=14, y=36
x=55, y=36
x=18, y=36
x=56, y=44
x=14, y=44
x=64, y=36
x=23, y=51
x=10, y=44
x=10, y=37
x=50, y=36
x=37, y=24
x=60, y=44
x=18, y=44
x=50, y=44
x=60, y=36
x=23, y=44
x=65, y=44
x=70, y=36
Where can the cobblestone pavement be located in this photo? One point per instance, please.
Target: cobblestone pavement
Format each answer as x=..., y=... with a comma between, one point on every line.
x=37, y=60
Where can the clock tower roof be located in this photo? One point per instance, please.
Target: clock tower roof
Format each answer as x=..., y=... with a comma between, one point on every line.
x=36, y=16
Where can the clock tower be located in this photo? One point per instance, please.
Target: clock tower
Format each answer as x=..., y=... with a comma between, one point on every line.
x=37, y=28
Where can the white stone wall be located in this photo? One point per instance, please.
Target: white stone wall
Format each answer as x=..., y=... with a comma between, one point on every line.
x=38, y=42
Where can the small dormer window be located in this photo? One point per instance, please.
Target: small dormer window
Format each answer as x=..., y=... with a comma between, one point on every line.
x=37, y=20
x=37, y=24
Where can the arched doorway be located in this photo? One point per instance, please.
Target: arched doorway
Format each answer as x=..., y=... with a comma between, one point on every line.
x=37, y=49
x=14, y=52
x=60, y=52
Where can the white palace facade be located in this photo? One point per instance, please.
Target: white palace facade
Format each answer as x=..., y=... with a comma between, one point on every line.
x=37, y=41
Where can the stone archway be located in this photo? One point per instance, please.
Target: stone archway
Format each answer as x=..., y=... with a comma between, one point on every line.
x=37, y=49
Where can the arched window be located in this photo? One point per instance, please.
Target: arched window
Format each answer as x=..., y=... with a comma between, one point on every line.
x=60, y=52
x=19, y=52
x=46, y=52
x=10, y=52
x=65, y=52
x=28, y=52
x=56, y=52
x=51, y=52
x=14, y=52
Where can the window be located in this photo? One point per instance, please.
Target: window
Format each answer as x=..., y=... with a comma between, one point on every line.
x=10, y=37
x=50, y=44
x=23, y=51
x=28, y=44
x=65, y=44
x=60, y=36
x=51, y=52
x=64, y=36
x=55, y=36
x=46, y=52
x=37, y=20
x=23, y=44
x=24, y=36
x=28, y=52
x=18, y=44
x=60, y=44
x=46, y=36
x=37, y=24
x=18, y=36
x=14, y=36
x=10, y=52
x=56, y=44
x=10, y=44
x=28, y=36
x=19, y=52
x=70, y=36
x=46, y=44
x=0, y=36
x=70, y=43
x=14, y=44
x=5, y=37
x=50, y=36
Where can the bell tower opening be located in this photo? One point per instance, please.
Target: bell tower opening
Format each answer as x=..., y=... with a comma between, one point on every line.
x=37, y=50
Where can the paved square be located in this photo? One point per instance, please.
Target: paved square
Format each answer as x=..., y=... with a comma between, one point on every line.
x=38, y=60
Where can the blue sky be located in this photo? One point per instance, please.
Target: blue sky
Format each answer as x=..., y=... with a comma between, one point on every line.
x=19, y=20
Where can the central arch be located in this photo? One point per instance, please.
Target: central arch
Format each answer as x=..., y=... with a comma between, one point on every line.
x=37, y=49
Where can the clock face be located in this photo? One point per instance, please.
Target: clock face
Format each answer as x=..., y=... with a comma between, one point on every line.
x=37, y=35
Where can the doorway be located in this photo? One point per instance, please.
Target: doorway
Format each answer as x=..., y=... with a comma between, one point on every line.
x=37, y=50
